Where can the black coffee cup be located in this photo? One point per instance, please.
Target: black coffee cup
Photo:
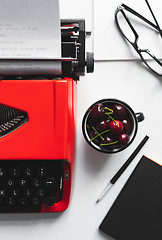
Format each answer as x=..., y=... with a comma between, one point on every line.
x=110, y=125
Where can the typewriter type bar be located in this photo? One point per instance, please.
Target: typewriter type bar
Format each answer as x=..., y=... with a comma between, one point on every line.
x=10, y=119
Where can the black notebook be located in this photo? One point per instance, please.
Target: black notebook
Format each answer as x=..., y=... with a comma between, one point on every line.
x=137, y=212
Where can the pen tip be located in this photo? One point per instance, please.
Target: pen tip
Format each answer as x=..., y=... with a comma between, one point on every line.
x=97, y=200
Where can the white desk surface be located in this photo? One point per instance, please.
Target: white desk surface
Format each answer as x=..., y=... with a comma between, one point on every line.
x=125, y=80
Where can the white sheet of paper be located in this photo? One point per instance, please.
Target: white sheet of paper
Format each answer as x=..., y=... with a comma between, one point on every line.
x=109, y=43
x=30, y=29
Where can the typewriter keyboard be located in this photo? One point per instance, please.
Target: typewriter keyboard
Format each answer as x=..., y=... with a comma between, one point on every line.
x=27, y=184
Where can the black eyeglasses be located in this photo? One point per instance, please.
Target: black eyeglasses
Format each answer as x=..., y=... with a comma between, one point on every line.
x=129, y=33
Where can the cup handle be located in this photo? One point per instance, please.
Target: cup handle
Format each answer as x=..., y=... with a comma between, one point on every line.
x=140, y=117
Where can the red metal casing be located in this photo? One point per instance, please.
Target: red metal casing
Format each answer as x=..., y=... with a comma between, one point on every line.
x=50, y=130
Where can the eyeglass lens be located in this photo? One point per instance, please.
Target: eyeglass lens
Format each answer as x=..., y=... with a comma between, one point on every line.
x=125, y=27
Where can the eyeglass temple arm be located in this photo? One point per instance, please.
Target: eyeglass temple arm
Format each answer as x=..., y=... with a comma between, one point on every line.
x=140, y=16
x=154, y=17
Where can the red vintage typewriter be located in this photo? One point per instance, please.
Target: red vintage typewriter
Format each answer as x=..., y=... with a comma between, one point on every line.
x=37, y=128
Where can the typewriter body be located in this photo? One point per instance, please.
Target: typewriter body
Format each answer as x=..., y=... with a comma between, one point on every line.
x=37, y=128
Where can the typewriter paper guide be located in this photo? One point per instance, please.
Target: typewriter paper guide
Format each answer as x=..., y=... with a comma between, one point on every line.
x=30, y=29
x=109, y=43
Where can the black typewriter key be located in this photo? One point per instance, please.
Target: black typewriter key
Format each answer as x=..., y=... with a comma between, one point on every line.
x=10, y=201
x=49, y=182
x=49, y=201
x=28, y=192
x=42, y=171
x=14, y=171
x=3, y=192
x=28, y=171
x=23, y=182
x=36, y=201
x=9, y=182
x=2, y=172
x=14, y=192
x=41, y=192
x=36, y=182
x=23, y=201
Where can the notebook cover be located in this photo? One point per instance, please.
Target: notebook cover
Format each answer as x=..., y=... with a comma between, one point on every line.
x=137, y=212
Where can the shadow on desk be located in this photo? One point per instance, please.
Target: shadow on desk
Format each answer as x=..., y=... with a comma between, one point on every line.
x=105, y=237
x=94, y=161
x=23, y=218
